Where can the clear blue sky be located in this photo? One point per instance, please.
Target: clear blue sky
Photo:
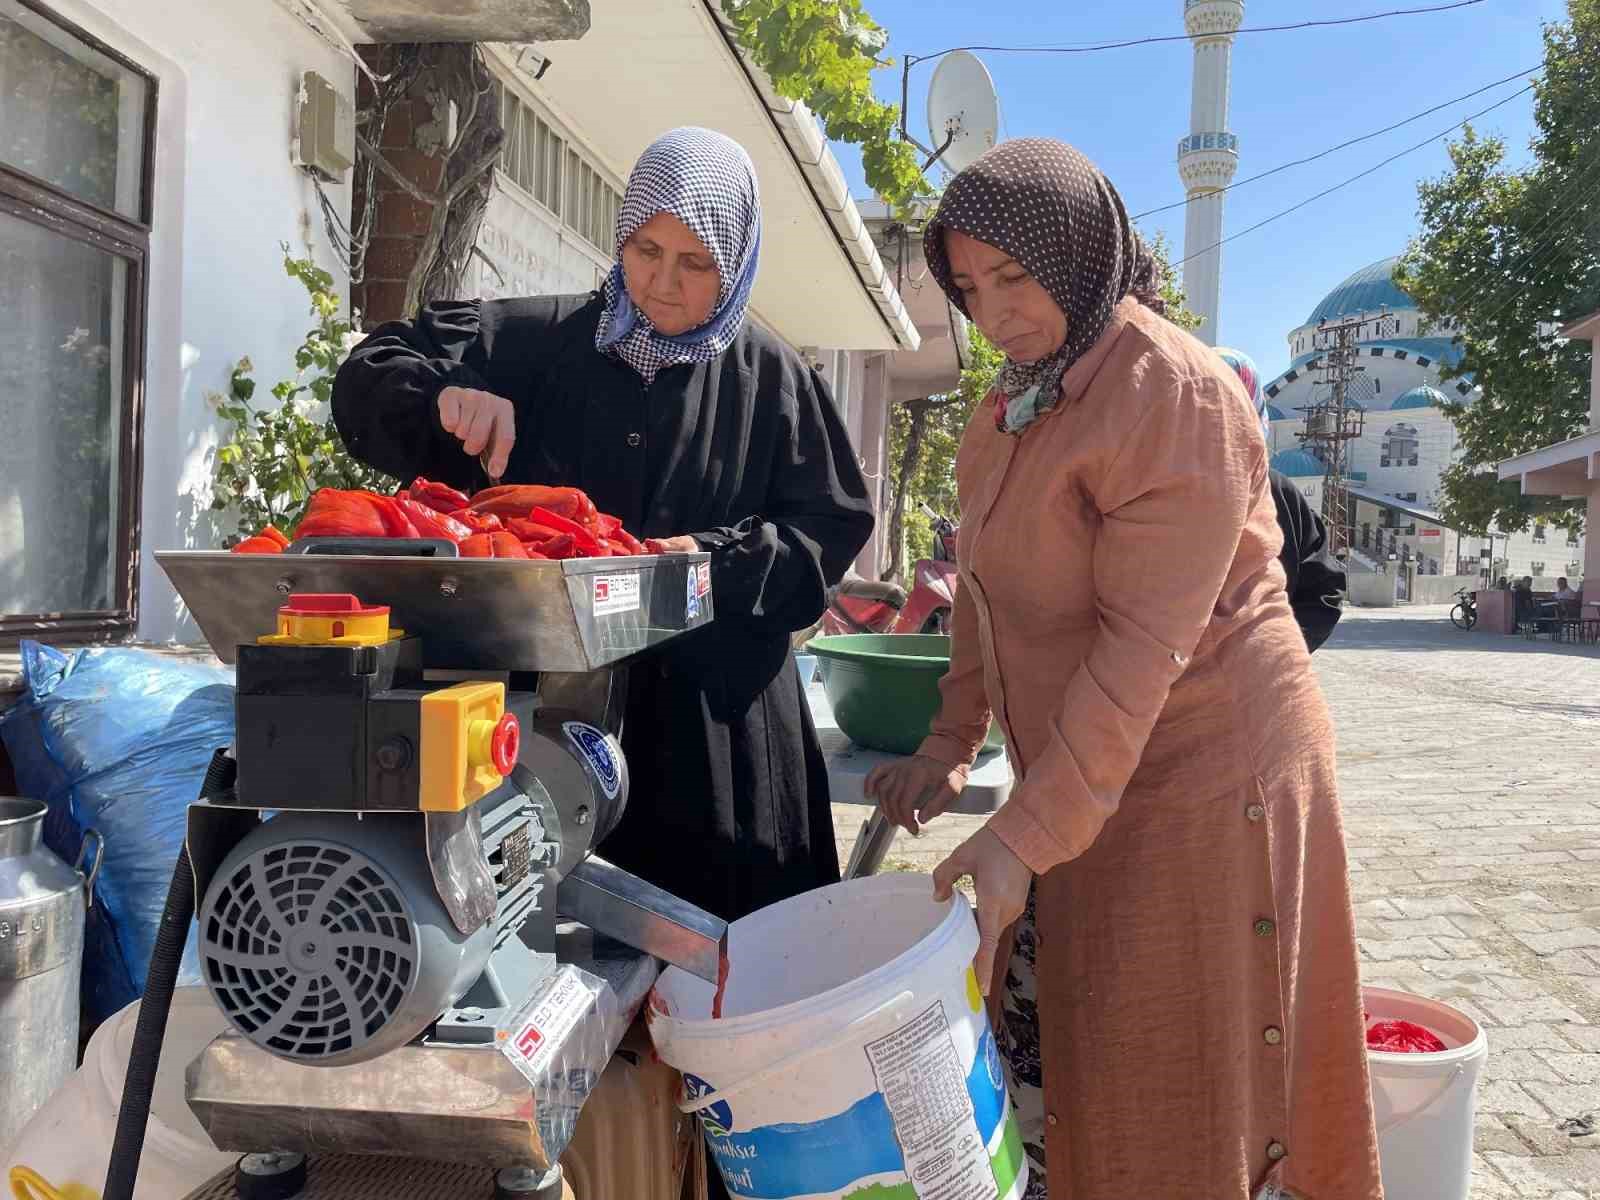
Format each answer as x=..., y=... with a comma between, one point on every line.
x=1294, y=93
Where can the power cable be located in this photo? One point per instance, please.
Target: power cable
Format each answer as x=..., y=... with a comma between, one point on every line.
x=911, y=59
x=1344, y=183
x=1366, y=137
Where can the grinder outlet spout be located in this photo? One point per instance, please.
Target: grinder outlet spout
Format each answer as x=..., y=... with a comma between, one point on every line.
x=624, y=907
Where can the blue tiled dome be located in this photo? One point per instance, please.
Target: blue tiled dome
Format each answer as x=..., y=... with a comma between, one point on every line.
x=1369, y=289
x=1274, y=413
x=1419, y=397
x=1297, y=464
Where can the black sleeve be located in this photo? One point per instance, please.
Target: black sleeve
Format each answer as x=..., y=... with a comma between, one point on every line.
x=773, y=570
x=1314, y=587
x=385, y=396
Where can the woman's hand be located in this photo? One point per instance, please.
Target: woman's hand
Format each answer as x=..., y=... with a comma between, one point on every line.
x=915, y=789
x=682, y=544
x=1001, y=880
x=482, y=422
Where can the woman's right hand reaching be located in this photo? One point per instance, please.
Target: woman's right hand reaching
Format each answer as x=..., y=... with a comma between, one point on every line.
x=915, y=789
x=484, y=423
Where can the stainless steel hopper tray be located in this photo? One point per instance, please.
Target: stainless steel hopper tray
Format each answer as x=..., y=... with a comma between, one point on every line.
x=471, y=613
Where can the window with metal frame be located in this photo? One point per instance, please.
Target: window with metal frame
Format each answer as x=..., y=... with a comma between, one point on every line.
x=76, y=162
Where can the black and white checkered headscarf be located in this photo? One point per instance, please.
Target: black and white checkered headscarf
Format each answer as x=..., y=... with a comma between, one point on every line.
x=1050, y=209
x=708, y=182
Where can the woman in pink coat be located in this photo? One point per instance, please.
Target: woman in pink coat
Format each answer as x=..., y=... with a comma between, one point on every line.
x=1163, y=903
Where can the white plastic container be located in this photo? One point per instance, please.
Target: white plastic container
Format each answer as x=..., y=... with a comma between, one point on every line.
x=68, y=1142
x=1424, y=1103
x=854, y=1055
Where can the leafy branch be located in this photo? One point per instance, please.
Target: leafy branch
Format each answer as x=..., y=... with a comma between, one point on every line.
x=822, y=53
x=273, y=459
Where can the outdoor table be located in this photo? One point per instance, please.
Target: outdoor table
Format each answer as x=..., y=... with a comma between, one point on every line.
x=988, y=787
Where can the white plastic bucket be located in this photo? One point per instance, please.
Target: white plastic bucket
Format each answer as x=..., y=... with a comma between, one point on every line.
x=1424, y=1103
x=68, y=1141
x=854, y=1055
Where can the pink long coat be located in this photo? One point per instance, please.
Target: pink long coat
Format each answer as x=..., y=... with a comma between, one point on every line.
x=1122, y=608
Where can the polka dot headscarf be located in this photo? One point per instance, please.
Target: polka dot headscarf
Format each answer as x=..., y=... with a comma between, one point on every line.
x=1050, y=209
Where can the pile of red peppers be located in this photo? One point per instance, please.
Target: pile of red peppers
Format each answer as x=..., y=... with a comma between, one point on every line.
x=514, y=521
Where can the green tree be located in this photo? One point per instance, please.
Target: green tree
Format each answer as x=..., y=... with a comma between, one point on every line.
x=1507, y=256
x=823, y=53
x=273, y=459
x=925, y=433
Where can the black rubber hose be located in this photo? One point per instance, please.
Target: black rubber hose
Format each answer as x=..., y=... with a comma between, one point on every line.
x=133, y=1117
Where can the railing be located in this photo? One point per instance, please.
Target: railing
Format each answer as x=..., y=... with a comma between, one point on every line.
x=1196, y=142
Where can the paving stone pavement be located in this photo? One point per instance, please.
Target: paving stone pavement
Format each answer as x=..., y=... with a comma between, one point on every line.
x=1470, y=776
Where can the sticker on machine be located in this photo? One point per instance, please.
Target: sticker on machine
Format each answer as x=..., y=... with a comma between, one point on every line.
x=702, y=579
x=691, y=600
x=542, y=1028
x=598, y=752
x=616, y=594
x=919, y=1074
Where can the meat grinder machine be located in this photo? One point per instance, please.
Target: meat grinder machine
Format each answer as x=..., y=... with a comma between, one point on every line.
x=400, y=910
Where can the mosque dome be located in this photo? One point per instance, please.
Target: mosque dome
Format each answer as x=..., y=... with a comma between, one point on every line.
x=1298, y=464
x=1419, y=397
x=1368, y=290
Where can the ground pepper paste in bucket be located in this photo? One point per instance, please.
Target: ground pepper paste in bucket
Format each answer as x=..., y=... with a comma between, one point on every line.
x=1403, y=1037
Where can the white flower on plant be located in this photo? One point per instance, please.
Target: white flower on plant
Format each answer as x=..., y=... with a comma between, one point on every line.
x=75, y=339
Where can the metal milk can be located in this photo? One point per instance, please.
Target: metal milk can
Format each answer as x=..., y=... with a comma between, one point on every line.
x=42, y=906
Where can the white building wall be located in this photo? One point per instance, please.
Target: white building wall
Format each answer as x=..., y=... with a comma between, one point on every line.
x=226, y=195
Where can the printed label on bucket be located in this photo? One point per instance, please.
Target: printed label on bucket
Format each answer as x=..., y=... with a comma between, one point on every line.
x=926, y=1134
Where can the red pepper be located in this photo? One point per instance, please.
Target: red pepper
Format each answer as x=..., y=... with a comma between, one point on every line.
x=529, y=530
x=559, y=546
x=440, y=497
x=585, y=541
x=476, y=521
x=516, y=499
x=626, y=540
x=335, y=513
x=606, y=525
x=506, y=545
x=476, y=546
x=259, y=544
x=432, y=524
x=531, y=552
x=272, y=531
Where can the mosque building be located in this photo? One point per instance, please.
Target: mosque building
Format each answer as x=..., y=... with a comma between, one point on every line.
x=1406, y=443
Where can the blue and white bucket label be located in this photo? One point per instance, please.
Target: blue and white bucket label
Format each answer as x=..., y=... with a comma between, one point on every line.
x=598, y=751
x=933, y=1129
x=691, y=603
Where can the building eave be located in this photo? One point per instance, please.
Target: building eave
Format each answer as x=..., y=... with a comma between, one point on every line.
x=1566, y=469
x=647, y=66
x=1585, y=328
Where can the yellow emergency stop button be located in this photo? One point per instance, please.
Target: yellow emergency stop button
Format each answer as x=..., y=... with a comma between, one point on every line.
x=469, y=743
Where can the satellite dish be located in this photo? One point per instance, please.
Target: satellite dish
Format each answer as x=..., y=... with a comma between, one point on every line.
x=963, y=110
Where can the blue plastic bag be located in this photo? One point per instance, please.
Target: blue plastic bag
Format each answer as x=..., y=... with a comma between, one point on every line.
x=118, y=740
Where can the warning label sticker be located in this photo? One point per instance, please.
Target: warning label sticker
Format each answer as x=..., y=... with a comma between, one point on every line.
x=542, y=1028
x=615, y=594
x=918, y=1070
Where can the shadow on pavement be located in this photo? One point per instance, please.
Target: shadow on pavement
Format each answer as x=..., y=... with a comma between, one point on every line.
x=1421, y=634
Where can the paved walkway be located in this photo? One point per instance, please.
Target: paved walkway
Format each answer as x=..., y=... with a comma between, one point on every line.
x=1470, y=768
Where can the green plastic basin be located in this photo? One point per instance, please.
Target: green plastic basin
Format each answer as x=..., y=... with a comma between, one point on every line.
x=884, y=688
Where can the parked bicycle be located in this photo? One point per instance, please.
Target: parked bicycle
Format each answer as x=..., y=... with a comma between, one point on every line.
x=1465, y=614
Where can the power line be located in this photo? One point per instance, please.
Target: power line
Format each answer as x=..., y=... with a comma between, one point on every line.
x=1355, y=178
x=1366, y=137
x=911, y=59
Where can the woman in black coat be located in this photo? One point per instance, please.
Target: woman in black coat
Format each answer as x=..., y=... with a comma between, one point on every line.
x=700, y=431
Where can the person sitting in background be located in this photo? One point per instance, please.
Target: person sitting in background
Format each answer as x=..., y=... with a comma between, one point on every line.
x=1564, y=592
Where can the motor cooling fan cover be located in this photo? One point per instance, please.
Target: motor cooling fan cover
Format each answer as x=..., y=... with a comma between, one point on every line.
x=322, y=938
